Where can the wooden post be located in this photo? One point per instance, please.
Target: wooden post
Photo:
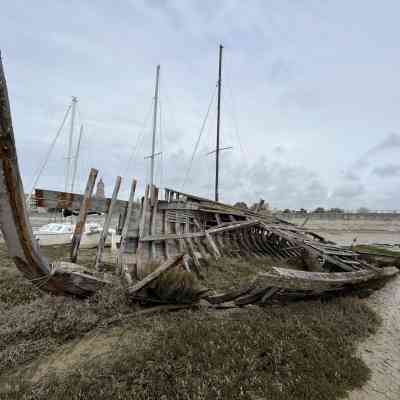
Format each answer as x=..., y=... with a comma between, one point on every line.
x=142, y=226
x=165, y=232
x=154, y=205
x=80, y=225
x=129, y=212
x=106, y=226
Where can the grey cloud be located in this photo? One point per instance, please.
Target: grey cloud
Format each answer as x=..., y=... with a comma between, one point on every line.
x=279, y=150
x=390, y=142
x=300, y=98
x=387, y=171
x=348, y=191
x=281, y=71
x=351, y=176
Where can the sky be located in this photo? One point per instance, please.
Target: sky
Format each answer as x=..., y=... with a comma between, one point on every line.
x=310, y=96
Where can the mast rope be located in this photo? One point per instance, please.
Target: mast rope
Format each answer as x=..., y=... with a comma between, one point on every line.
x=203, y=125
x=49, y=151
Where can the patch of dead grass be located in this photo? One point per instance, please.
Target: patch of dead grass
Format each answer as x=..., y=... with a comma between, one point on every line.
x=304, y=350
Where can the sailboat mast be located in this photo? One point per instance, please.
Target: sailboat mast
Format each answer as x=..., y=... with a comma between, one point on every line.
x=217, y=150
x=153, y=143
x=71, y=134
x=76, y=158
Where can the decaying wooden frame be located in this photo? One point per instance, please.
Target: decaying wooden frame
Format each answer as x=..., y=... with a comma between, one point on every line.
x=181, y=228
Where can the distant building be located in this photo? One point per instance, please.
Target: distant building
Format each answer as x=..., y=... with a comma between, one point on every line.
x=100, y=189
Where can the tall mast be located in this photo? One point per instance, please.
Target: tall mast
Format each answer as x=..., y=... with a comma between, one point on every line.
x=76, y=158
x=217, y=150
x=71, y=134
x=153, y=143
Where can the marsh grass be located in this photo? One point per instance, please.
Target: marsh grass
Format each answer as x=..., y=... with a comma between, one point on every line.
x=302, y=350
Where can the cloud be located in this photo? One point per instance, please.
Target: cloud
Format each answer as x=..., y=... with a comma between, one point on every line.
x=296, y=76
x=390, y=142
x=351, y=176
x=347, y=191
x=387, y=171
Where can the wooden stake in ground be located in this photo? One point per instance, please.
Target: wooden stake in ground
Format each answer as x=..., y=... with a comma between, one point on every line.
x=80, y=225
x=107, y=222
x=128, y=216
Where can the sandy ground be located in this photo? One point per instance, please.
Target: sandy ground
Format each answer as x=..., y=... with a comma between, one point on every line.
x=381, y=352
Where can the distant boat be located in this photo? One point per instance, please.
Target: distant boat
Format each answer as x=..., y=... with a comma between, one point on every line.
x=54, y=234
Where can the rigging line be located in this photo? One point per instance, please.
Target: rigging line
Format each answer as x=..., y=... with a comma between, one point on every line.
x=138, y=140
x=199, y=137
x=49, y=151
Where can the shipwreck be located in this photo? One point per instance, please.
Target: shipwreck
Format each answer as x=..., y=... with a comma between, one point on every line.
x=174, y=231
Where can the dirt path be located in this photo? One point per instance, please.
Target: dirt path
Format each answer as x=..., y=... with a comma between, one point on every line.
x=381, y=352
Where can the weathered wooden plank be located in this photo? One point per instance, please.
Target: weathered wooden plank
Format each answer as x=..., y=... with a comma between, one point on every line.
x=107, y=222
x=129, y=215
x=304, y=280
x=232, y=226
x=73, y=201
x=231, y=295
x=142, y=227
x=253, y=297
x=172, y=236
x=170, y=263
x=14, y=221
x=80, y=225
x=165, y=232
x=201, y=248
x=193, y=255
x=212, y=245
x=153, y=215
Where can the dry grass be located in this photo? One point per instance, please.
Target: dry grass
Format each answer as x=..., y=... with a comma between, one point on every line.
x=303, y=350
x=228, y=273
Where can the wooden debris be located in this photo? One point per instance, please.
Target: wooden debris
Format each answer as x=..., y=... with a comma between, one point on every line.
x=107, y=222
x=80, y=225
x=154, y=275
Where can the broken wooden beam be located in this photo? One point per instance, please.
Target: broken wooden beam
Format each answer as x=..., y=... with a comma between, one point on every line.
x=73, y=201
x=107, y=222
x=129, y=215
x=80, y=225
x=305, y=280
x=14, y=221
x=170, y=263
